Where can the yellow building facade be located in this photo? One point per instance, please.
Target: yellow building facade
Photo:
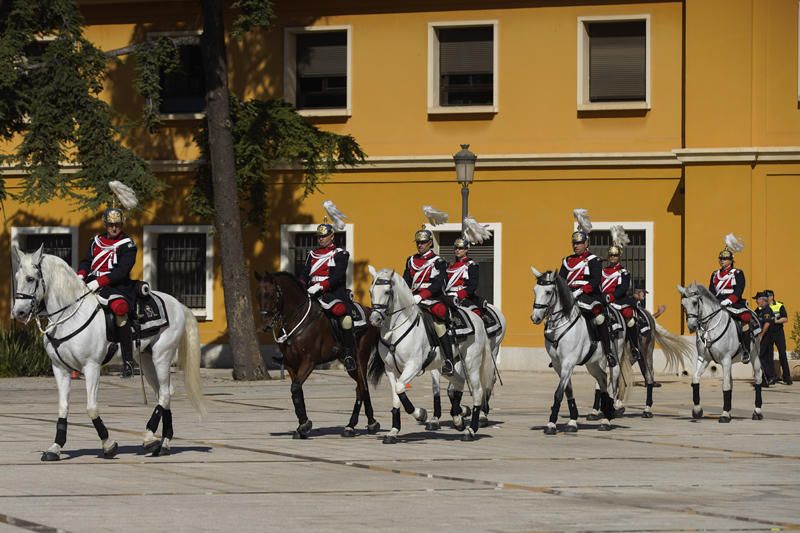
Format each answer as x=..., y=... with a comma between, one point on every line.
x=706, y=142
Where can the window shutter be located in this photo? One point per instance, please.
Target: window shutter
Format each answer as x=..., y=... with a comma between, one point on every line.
x=617, y=64
x=465, y=50
x=321, y=54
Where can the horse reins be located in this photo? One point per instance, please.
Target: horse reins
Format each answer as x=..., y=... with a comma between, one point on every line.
x=553, y=318
x=702, y=324
x=278, y=314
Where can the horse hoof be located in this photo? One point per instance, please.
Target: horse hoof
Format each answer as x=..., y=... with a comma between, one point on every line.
x=163, y=449
x=550, y=430
x=296, y=435
x=758, y=416
x=647, y=414
x=305, y=427
x=619, y=412
x=152, y=447
x=483, y=422
x=605, y=427
x=724, y=419
x=111, y=452
x=348, y=432
x=390, y=439
x=466, y=412
x=571, y=429
x=432, y=426
x=593, y=416
x=50, y=456
x=459, y=427
x=469, y=436
x=373, y=428
x=423, y=415
x=697, y=413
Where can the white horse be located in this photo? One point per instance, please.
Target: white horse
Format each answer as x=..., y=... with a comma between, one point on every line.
x=718, y=341
x=569, y=344
x=75, y=339
x=404, y=349
x=494, y=344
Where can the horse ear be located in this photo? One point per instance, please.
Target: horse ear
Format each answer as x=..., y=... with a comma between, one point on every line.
x=372, y=271
x=536, y=272
x=37, y=255
x=681, y=290
x=17, y=255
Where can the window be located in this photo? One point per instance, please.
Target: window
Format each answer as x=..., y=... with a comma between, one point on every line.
x=487, y=255
x=637, y=257
x=317, y=70
x=462, y=61
x=298, y=239
x=614, y=62
x=60, y=241
x=179, y=260
x=183, y=92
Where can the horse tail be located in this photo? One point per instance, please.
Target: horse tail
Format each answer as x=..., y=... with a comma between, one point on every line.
x=376, y=368
x=487, y=370
x=676, y=349
x=625, y=374
x=189, y=360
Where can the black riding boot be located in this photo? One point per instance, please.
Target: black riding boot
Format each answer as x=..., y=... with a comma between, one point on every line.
x=633, y=338
x=126, y=349
x=349, y=342
x=605, y=340
x=747, y=340
x=446, y=343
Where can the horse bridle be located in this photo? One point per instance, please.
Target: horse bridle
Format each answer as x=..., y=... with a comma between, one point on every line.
x=272, y=316
x=702, y=322
x=36, y=303
x=550, y=316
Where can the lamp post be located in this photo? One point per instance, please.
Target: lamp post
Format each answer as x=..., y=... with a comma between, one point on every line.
x=465, y=172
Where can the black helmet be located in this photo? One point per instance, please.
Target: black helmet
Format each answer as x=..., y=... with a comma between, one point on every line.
x=113, y=215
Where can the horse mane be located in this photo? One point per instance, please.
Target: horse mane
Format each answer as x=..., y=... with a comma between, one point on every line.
x=703, y=292
x=564, y=294
x=61, y=277
x=402, y=292
x=291, y=277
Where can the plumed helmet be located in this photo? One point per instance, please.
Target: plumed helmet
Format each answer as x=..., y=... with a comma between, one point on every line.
x=726, y=254
x=324, y=229
x=580, y=236
x=461, y=243
x=113, y=215
x=614, y=250
x=423, y=235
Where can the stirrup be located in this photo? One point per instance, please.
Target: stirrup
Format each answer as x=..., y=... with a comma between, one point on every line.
x=448, y=369
x=612, y=361
x=349, y=363
x=635, y=355
x=127, y=369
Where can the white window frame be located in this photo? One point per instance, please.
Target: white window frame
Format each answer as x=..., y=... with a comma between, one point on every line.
x=177, y=33
x=497, y=232
x=287, y=235
x=649, y=240
x=290, y=70
x=433, y=69
x=584, y=104
x=18, y=231
x=150, y=248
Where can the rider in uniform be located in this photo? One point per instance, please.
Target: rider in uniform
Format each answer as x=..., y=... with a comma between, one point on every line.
x=462, y=278
x=616, y=286
x=426, y=275
x=728, y=284
x=583, y=272
x=106, y=269
x=325, y=276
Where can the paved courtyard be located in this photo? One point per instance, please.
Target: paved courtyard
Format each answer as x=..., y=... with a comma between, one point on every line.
x=239, y=470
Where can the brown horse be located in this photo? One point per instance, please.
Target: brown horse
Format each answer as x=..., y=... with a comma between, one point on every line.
x=307, y=339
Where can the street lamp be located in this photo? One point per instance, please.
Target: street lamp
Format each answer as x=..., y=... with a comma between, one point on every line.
x=465, y=171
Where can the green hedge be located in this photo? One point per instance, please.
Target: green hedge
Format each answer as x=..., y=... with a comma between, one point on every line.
x=22, y=353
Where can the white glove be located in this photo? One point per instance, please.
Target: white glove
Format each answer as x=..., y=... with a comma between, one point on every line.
x=726, y=302
x=93, y=285
x=80, y=277
x=417, y=299
x=314, y=289
x=577, y=292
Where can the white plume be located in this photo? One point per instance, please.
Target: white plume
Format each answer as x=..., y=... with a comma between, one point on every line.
x=733, y=243
x=434, y=216
x=475, y=232
x=337, y=217
x=125, y=195
x=582, y=216
x=619, y=237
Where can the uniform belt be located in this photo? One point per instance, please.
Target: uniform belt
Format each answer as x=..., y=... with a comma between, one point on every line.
x=317, y=279
x=726, y=291
x=579, y=282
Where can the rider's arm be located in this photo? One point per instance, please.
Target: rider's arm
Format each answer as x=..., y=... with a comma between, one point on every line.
x=623, y=286
x=738, y=289
x=305, y=275
x=337, y=275
x=126, y=257
x=407, y=273
x=595, y=277
x=472, y=281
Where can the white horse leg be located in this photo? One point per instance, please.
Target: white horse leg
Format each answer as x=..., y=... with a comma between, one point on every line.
x=63, y=379
x=595, y=414
x=391, y=437
x=616, y=372
x=433, y=423
x=410, y=371
x=572, y=425
x=91, y=373
x=697, y=410
x=558, y=397
x=727, y=390
x=597, y=370
x=472, y=371
x=759, y=373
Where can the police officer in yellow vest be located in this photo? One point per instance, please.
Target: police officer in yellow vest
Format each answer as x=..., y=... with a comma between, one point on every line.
x=777, y=336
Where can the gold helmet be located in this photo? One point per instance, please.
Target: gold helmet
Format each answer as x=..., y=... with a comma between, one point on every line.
x=461, y=243
x=423, y=235
x=580, y=236
x=113, y=215
x=726, y=253
x=324, y=229
x=615, y=250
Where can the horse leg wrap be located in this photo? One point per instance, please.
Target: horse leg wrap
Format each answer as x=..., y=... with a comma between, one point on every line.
x=407, y=405
x=354, y=417
x=437, y=407
x=61, y=432
x=167, y=429
x=726, y=400
x=396, y=418
x=596, y=403
x=758, y=396
x=368, y=408
x=102, y=432
x=455, y=402
x=607, y=405
x=696, y=393
x=485, y=405
x=476, y=419
x=649, y=401
x=573, y=409
x=155, y=418
x=299, y=402
x=554, y=409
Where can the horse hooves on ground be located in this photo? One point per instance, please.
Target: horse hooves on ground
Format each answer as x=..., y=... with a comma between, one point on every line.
x=348, y=432
x=111, y=452
x=758, y=416
x=466, y=412
x=604, y=427
x=390, y=439
x=459, y=427
x=697, y=413
x=432, y=426
x=724, y=419
x=647, y=414
x=50, y=456
x=592, y=417
x=423, y=415
x=163, y=451
x=549, y=430
x=152, y=447
x=483, y=422
x=571, y=428
x=373, y=427
x=297, y=435
x=619, y=412
x=469, y=436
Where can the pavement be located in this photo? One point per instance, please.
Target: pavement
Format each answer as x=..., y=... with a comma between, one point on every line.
x=240, y=470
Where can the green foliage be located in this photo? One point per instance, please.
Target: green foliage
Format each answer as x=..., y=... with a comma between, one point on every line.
x=151, y=58
x=49, y=94
x=22, y=353
x=252, y=14
x=795, y=336
x=269, y=134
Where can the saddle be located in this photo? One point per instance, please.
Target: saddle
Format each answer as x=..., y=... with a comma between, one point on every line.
x=433, y=339
x=642, y=322
x=462, y=325
x=149, y=315
x=359, y=317
x=491, y=321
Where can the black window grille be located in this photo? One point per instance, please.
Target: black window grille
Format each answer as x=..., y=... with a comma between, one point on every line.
x=58, y=244
x=183, y=89
x=321, y=70
x=634, y=255
x=181, y=267
x=466, y=66
x=305, y=241
x=483, y=254
x=617, y=61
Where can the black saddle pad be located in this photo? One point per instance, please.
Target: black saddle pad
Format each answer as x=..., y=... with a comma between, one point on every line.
x=150, y=318
x=359, y=316
x=462, y=325
x=594, y=334
x=491, y=321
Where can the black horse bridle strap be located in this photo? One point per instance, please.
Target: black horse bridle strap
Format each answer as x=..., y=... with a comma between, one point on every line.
x=58, y=342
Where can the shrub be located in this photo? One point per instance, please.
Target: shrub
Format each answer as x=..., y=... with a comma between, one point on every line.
x=795, y=336
x=22, y=353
